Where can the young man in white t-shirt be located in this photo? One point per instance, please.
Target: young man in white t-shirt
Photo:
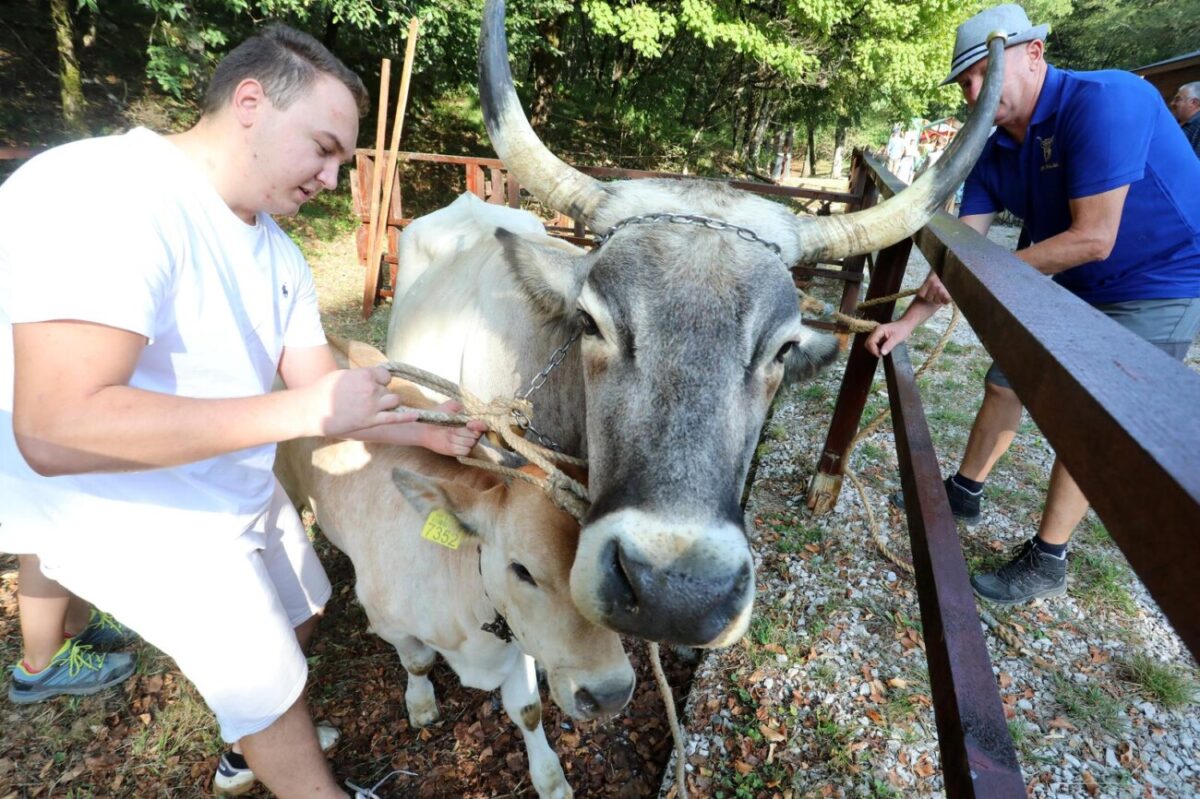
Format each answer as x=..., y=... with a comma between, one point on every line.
x=136, y=368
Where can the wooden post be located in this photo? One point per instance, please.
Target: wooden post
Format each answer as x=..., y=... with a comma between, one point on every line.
x=856, y=382
x=371, y=283
x=385, y=77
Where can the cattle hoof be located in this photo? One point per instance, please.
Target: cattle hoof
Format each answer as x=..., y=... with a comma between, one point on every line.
x=424, y=716
x=552, y=784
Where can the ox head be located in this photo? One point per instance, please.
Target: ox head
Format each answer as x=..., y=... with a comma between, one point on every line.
x=526, y=549
x=689, y=328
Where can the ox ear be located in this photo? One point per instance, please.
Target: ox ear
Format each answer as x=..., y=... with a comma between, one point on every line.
x=550, y=275
x=426, y=495
x=814, y=352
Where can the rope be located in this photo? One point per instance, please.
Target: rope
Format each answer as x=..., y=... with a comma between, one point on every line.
x=854, y=324
x=664, y=688
x=877, y=535
x=499, y=415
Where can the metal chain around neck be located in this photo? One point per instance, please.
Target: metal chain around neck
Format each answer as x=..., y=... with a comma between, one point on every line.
x=746, y=234
x=539, y=380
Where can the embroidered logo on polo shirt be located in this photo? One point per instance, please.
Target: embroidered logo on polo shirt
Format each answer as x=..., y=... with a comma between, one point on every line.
x=284, y=289
x=1047, y=153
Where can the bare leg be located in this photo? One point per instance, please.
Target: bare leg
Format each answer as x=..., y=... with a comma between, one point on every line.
x=1065, y=507
x=79, y=613
x=42, y=604
x=993, y=432
x=287, y=758
x=305, y=630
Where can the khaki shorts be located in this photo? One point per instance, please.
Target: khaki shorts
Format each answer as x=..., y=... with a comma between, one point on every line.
x=1170, y=325
x=226, y=612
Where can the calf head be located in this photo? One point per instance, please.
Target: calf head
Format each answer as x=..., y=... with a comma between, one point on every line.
x=526, y=549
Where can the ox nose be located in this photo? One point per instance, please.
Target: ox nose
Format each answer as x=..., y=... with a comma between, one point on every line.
x=595, y=701
x=681, y=602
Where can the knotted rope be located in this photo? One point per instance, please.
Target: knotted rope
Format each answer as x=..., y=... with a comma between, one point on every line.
x=499, y=415
x=855, y=324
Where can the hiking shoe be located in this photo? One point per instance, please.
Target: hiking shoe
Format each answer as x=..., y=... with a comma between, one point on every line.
x=963, y=504
x=104, y=633
x=234, y=777
x=1032, y=574
x=75, y=670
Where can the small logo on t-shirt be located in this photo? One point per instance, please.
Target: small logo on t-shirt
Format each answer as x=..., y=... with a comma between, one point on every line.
x=284, y=289
x=1047, y=152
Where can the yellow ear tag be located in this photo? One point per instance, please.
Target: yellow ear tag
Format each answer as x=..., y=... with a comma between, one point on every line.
x=443, y=529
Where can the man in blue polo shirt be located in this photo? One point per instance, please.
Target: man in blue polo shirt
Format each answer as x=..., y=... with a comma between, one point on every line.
x=1105, y=182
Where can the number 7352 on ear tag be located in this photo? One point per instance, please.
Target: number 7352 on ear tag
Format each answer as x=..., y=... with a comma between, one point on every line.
x=443, y=529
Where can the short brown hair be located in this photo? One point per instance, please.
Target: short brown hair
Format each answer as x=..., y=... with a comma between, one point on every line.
x=286, y=62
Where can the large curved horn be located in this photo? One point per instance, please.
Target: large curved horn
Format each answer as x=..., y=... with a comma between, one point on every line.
x=553, y=182
x=828, y=238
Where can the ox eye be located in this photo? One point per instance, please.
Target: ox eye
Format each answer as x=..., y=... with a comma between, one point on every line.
x=784, y=351
x=588, y=324
x=523, y=574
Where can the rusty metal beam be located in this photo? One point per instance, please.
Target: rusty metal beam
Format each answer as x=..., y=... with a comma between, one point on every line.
x=978, y=759
x=1120, y=413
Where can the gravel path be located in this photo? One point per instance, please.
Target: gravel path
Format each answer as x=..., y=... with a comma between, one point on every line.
x=828, y=694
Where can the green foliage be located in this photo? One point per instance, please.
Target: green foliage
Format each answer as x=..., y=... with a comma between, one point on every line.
x=1123, y=34
x=707, y=85
x=1164, y=683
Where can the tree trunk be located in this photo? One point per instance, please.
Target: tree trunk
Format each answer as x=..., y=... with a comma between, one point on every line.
x=812, y=151
x=546, y=64
x=839, y=147
x=777, y=173
x=789, y=142
x=760, y=131
x=329, y=39
x=69, y=81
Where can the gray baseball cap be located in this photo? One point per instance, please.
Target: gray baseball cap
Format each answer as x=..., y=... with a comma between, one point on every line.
x=970, y=44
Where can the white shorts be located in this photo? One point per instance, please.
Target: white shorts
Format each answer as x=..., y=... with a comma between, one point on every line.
x=226, y=612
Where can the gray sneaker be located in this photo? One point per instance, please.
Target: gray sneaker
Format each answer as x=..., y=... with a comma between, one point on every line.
x=104, y=633
x=1032, y=574
x=75, y=670
x=963, y=504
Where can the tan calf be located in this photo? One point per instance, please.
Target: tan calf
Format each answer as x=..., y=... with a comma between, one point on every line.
x=513, y=560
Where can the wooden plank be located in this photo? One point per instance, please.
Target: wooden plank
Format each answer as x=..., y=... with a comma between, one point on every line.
x=474, y=179
x=513, y=189
x=978, y=759
x=20, y=153
x=831, y=274
x=1092, y=386
x=496, y=195
x=797, y=192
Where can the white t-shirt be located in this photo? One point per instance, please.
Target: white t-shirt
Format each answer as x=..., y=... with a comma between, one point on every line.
x=124, y=231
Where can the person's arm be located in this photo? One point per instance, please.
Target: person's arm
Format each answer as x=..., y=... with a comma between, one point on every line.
x=74, y=412
x=299, y=367
x=1095, y=221
x=930, y=297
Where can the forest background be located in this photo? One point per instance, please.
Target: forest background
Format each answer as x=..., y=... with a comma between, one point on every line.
x=710, y=87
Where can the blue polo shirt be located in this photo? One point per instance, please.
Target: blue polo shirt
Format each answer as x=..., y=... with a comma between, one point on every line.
x=1092, y=132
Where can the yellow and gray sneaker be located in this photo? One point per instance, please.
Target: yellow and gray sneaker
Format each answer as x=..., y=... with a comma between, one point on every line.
x=234, y=777
x=103, y=633
x=75, y=670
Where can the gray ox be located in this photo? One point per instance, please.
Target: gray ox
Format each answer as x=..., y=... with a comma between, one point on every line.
x=688, y=330
x=425, y=599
